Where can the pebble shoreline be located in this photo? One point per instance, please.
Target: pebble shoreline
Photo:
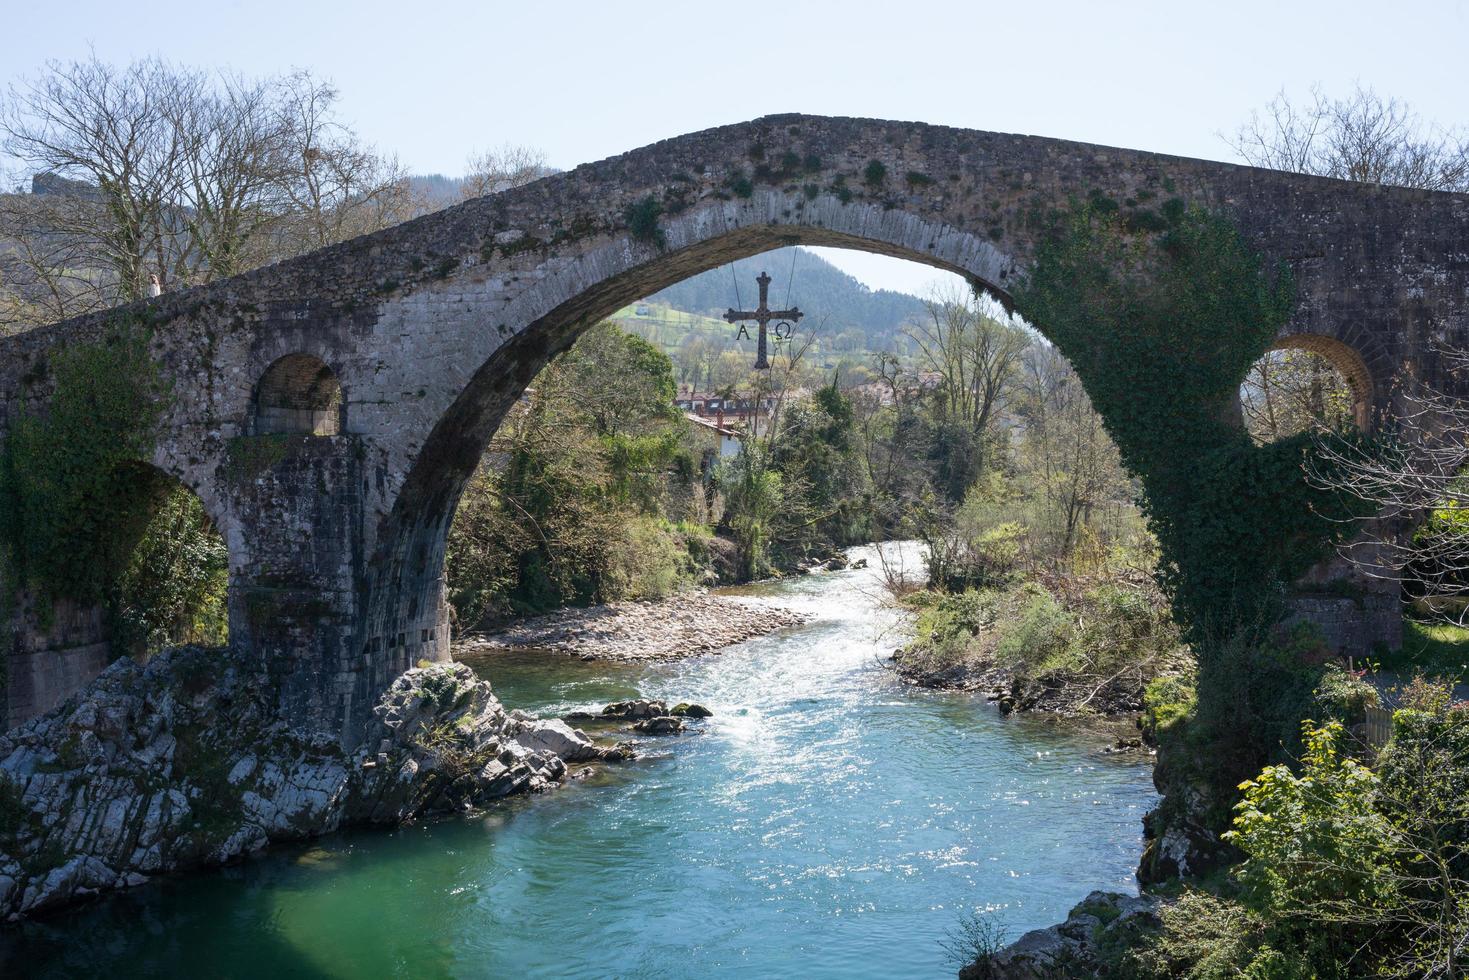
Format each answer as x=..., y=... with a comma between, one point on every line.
x=665, y=629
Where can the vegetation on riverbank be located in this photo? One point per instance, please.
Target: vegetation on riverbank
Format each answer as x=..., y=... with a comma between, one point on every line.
x=1078, y=647
x=588, y=493
x=596, y=489
x=1356, y=862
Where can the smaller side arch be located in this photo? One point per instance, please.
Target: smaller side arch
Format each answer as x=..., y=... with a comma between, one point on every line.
x=298, y=394
x=1348, y=361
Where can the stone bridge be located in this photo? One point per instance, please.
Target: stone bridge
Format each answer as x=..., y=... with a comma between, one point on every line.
x=328, y=410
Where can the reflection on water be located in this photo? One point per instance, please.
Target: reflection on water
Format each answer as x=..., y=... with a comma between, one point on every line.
x=827, y=821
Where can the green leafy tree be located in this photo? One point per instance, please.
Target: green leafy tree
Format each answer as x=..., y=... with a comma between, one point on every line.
x=173, y=588
x=569, y=505
x=816, y=452
x=1367, y=871
x=1314, y=838
x=754, y=504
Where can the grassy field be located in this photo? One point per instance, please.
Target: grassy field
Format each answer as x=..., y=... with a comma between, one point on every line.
x=668, y=328
x=1433, y=648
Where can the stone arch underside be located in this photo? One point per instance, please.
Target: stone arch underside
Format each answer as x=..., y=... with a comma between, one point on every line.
x=434, y=327
x=1347, y=360
x=298, y=394
x=405, y=600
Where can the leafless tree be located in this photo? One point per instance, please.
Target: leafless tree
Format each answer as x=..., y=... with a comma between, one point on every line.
x=104, y=126
x=1413, y=481
x=1071, y=470
x=974, y=352
x=47, y=274
x=1291, y=391
x=1363, y=137
x=337, y=187
x=167, y=171
x=493, y=171
x=232, y=170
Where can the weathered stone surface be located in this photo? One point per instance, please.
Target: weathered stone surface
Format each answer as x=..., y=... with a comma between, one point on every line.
x=660, y=725
x=434, y=328
x=183, y=763
x=637, y=708
x=558, y=738
x=1068, y=949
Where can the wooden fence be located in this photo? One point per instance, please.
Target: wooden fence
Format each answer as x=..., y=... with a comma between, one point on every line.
x=1377, y=727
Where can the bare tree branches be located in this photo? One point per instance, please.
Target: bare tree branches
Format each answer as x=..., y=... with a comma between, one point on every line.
x=974, y=353
x=1415, y=481
x=1293, y=391
x=190, y=176
x=1363, y=137
x=493, y=171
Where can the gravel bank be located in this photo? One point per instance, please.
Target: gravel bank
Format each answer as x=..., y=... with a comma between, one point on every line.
x=680, y=626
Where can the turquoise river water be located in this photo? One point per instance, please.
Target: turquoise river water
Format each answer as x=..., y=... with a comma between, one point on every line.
x=828, y=821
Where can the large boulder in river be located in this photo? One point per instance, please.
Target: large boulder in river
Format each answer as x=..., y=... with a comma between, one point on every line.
x=637, y=708
x=686, y=709
x=662, y=725
x=559, y=738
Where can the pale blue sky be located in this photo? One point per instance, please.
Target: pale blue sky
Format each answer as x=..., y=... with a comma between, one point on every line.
x=435, y=81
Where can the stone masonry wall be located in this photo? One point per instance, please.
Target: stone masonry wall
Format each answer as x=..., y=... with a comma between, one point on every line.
x=46, y=664
x=434, y=327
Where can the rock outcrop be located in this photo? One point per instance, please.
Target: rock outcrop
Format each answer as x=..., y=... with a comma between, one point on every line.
x=181, y=763
x=660, y=725
x=1071, y=948
x=635, y=709
x=1011, y=692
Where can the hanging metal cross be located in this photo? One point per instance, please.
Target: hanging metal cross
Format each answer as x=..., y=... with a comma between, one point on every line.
x=763, y=315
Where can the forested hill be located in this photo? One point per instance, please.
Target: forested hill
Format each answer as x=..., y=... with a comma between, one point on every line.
x=824, y=292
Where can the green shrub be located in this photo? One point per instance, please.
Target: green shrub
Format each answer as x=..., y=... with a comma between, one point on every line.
x=1345, y=696
x=173, y=588
x=1167, y=701
x=642, y=221
x=648, y=560
x=1039, y=640
x=1208, y=937
x=1313, y=837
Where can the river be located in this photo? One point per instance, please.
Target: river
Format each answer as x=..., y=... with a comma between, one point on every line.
x=828, y=821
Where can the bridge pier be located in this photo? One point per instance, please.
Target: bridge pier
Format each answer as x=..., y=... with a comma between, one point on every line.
x=46, y=663
x=296, y=536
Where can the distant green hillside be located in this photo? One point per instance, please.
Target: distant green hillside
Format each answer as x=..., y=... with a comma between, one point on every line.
x=834, y=302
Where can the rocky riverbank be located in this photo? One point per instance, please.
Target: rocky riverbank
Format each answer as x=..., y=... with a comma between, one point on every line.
x=181, y=764
x=1015, y=692
x=1103, y=922
x=1067, y=645
x=666, y=629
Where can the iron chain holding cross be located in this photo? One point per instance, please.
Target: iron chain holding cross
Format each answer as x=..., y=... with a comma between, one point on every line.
x=763, y=315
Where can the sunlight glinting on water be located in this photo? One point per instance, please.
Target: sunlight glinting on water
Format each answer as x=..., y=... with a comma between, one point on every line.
x=826, y=822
